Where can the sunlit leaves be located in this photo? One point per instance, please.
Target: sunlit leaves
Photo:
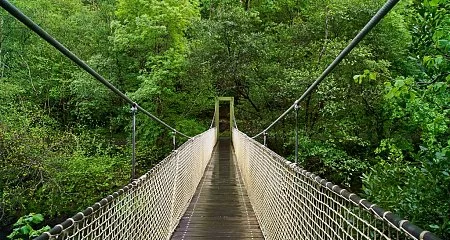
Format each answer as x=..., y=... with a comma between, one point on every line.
x=413, y=167
x=23, y=228
x=368, y=75
x=157, y=25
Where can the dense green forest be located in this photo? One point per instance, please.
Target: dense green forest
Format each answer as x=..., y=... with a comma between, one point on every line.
x=378, y=125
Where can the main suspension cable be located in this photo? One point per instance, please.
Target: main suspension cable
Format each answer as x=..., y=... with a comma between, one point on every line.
x=61, y=48
x=371, y=24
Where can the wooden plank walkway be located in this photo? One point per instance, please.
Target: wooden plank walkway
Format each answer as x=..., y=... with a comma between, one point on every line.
x=220, y=208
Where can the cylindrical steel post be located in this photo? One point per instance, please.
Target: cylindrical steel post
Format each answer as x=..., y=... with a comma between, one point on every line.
x=296, y=132
x=174, y=140
x=133, y=142
x=265, y=139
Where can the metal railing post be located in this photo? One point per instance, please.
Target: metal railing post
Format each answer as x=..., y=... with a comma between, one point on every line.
x=296, y=132
x=133, y=142
x=174, y=140
x=265, y=139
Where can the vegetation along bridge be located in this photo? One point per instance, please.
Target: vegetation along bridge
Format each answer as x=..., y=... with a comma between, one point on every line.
x=215, y=187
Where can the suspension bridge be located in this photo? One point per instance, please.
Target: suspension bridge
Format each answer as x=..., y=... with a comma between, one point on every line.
x=215, y=187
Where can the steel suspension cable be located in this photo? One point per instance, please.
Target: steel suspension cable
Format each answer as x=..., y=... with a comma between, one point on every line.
x=61, y=48
x=367, y=28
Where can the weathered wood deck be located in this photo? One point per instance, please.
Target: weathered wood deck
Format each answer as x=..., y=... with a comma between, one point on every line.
x=220, y=208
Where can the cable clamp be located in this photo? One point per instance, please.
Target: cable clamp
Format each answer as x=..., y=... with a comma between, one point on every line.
x=134, y=107
x=60, y=226
x=401, y=224
x=374, y=212
x=92, y=210
x=393, y=225
x=422, y=235
x=73, y=222
x=82, y=215
x=384, y=215
x=351, y=200
x=332, y=188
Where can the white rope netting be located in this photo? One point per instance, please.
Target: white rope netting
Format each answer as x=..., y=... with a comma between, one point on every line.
x=291, y=203
x=152, y=205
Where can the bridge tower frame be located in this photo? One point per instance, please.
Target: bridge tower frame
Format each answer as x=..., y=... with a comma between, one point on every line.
x=217, y=114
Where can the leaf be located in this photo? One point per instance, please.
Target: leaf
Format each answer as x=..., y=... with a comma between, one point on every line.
x=438, y=60
x=25, y=229
x=38, y=218
x=399, y=83
x=434, y=226
x=358, y=78
x=426, y=59
x=443, y=43
x=373, y=76
x=434, y=3
x=422, y=148
x=13, y=234
x=37, y=233
x=19, y=222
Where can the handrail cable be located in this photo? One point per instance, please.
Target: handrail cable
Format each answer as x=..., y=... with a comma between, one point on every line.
x=367, y=28
x=5, y=4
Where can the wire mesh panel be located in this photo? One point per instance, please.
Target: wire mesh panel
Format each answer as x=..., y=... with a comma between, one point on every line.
x=151, y=206
x=291, y=203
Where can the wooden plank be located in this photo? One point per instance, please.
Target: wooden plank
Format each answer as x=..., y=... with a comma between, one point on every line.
x=220, y=208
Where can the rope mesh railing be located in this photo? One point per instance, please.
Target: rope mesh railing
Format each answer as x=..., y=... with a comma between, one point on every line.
x=151, y=206
x=291, y=203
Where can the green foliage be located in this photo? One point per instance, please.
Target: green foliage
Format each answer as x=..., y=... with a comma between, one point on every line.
x=326, y=158
x=417, y=191
x=43, y=169
x=379, y=122
x=412, y=173
x=23, y=228
x=84, y=180
x=153, y=25
x=367, y=76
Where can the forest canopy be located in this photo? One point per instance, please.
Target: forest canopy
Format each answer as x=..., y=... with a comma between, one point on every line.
x=378, y=125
